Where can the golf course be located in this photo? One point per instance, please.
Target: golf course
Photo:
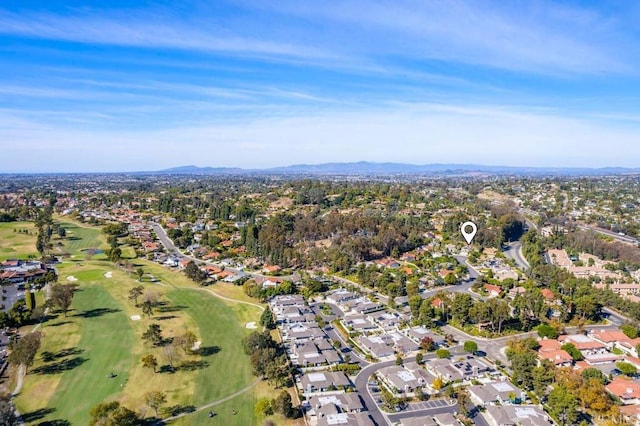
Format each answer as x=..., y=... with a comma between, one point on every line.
x=93, y=353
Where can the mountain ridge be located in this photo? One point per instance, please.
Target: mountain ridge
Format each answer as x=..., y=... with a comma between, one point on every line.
x=391, y=168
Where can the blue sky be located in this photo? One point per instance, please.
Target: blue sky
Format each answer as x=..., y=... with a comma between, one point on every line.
x=123, y=86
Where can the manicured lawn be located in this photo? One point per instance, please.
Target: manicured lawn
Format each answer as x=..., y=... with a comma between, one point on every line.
x=104, y=347
x=99, y=337
x=220, y=326
x=81, y=237
x=17, y=244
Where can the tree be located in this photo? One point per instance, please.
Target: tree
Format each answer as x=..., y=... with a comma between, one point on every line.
x=443, y=353
x=135, y=293
x=571, y=349
x=267, y=320
x=594, y=373
x=283, y=404
x=563, y=405
x=113, y=414
x=464, y=400
x=114, y=254
x=62, y=296
x=450, y=279
x=399, y=360
x=542, y=376
x=523, y=360
x=61, y=231
x=427, y=344
x=7, y=412
x=25, y=350
x=626, y=368
x=30, y=301
x=438, y=383
x=630, y=330
x=153, y=334
x=419, y=357
x=171, y=355
x=186, y=341
x=546, y=331
x=150, y=361
x=155, y=400
x=470, y=346
x=264, y=407
x=139, y=273
x=147, y=308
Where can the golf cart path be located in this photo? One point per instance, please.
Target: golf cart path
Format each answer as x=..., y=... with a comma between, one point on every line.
x=214, y=403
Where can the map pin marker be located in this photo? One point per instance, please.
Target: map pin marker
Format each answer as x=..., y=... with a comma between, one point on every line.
x=468, y=236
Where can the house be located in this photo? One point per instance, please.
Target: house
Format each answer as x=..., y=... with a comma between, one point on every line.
x=629, y=346
x=182, y=264
x=349, y=419
x=340, y=296
x=437, y=303
x=324, y=381
x=493, y=290
x=271, y=269
x=550, y=349
x=19, y=271
x=586, y=345
x=358, y=323
x=418, y=333
x=150, y=247
x=272, y=282
x=516, y=291
x=462, y=369
x=387, y=263
x=404, y=380
x=560, y=358
x=625, y=389
x=547, y=294
x=375, y=345
x=342, y=403
x=495, y=393
x=609, y=338
x=300, y=333
x=631, y=413
x=418, y=421
x=386, y=320
x=517, y=415
x=446, y=419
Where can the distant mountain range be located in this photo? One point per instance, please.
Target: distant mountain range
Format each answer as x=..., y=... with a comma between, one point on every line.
x=370, y=168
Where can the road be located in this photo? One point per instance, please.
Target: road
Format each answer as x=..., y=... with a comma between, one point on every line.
x=615, y=235
x=335, y=334
x=374, y=411
x=515, y=252
x=171, y=248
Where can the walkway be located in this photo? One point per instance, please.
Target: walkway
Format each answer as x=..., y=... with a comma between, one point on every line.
x=212, y=404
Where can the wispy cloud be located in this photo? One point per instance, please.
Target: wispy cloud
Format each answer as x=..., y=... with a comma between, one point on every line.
x=538, y=37
x=421, y=134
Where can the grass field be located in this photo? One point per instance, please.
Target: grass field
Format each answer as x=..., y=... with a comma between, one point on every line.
x=99, y=337
x=17, y=244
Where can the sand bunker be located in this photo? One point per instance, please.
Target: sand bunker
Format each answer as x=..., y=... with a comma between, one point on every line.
x=196, y=346
x=71, y=278
x=251, y=325
x=135, y=317
x=108, y=274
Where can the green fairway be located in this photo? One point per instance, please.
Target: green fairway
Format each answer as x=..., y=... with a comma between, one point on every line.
x=82, y=237
x=220, y=326
x=99, y=337
x=105, y=347
x=16, y=244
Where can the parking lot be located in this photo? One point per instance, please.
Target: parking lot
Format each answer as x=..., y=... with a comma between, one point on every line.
x=376, y=393
x=426, y=405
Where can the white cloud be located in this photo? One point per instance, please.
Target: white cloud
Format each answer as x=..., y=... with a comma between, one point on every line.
x=422, y=134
